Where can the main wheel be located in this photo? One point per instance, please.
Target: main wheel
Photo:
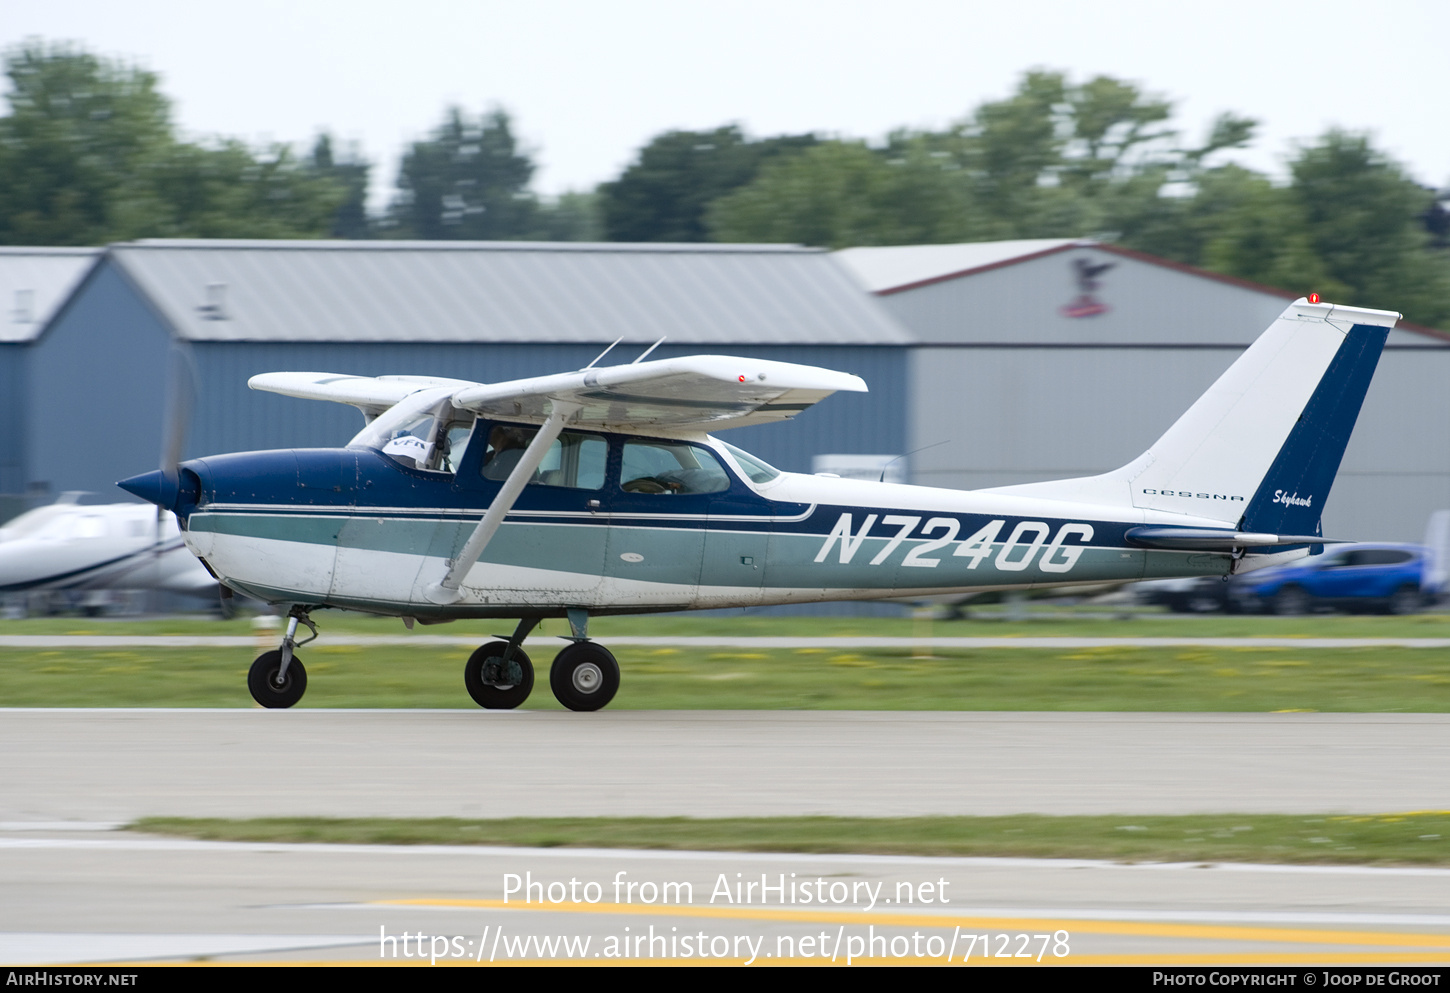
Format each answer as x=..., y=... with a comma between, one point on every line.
x=584, y=676
x=505, y=690
x=262, y=681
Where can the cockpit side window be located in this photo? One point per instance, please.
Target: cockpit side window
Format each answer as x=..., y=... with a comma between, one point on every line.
x=576, y=461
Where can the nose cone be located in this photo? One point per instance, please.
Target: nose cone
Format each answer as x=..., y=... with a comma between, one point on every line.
x=153, y=487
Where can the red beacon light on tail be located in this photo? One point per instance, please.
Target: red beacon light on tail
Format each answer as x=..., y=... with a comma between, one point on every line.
x=1314, y=298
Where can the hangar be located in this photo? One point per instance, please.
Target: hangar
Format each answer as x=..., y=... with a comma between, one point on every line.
x=1047, y=359
x=34, y=283
x=991, y=363
x=97, y=377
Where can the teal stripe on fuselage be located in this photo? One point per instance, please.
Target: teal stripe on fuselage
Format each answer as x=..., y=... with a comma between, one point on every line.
x=690, y=555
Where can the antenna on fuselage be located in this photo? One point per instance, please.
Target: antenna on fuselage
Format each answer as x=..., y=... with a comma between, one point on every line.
x=898, y=458
x=604, y=353
x=648, y=350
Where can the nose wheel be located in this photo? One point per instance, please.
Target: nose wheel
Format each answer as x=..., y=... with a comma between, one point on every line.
x=584, y=676
x=277, y=679
x=273, y=688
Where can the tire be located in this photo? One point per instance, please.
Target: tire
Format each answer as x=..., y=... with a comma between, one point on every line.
x=1291, y=601
x=261, y=680
x=1405, y=600
x=498, y=697
x=584, y=676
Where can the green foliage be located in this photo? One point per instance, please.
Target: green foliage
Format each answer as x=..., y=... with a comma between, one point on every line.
x=468, y=181
x=1052, y=160
x=1098, y=159
x=570, y=217
x=841, y=193
x=665, y=194
x=89, y=156
x=351, y=174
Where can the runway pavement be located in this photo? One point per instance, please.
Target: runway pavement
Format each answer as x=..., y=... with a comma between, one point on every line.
x=70, y=899
x=118, y=764
x=74, y=890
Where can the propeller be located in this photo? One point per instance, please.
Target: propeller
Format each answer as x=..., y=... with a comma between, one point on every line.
x=181, y=381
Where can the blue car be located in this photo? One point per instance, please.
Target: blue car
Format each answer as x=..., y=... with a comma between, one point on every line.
x=1389, y=578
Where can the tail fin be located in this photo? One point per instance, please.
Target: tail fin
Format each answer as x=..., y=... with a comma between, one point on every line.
x=1261, y=448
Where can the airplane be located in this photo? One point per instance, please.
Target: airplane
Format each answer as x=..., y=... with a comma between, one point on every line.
x=67, y=546
x=604, y=491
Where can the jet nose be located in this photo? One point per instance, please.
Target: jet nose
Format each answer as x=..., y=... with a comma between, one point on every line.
x=153, y=487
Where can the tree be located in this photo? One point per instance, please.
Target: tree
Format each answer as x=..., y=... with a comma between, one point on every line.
x=841, y=193
x=77, y=146
x=89, y=156
x=665, y=193
x=1055, y=159
x=468, y=181
x=570, y=217
x=1362, y=216
x=351, y=174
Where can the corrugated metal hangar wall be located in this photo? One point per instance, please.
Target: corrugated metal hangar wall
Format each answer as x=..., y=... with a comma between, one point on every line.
x=98, y=376
x=1047, y=360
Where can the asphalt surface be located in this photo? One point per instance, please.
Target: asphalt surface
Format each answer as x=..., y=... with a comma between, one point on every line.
x=73, y=897
x=73, y=889
x=119, y=764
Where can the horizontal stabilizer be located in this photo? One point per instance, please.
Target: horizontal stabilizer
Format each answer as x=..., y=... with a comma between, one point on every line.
x=1209, y=540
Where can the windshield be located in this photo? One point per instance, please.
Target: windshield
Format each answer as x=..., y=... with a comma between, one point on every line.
x=756, y=470
x=411, y=432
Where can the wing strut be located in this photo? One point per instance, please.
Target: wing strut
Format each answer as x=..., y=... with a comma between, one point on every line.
x=447, y=590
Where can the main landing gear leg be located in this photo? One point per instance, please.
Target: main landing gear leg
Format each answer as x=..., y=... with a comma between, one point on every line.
x=584, y=676
x=499, y=676
x=277, y=679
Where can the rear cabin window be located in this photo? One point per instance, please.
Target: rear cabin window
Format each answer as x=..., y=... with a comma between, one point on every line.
x=575, y=461
x=670, y=467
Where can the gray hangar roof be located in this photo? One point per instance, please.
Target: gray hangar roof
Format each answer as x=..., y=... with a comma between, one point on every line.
x=504, y=292
x=34, y=282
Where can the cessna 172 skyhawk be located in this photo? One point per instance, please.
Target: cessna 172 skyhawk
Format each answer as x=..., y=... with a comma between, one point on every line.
x=601, y=492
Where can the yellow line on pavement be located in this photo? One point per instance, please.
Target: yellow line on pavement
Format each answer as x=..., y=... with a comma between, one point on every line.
x=1155, y=929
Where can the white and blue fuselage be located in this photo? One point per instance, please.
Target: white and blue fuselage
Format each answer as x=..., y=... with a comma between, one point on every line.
x=360, y=529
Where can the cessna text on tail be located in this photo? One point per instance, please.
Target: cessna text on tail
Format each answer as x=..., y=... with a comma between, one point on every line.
x=603, y=492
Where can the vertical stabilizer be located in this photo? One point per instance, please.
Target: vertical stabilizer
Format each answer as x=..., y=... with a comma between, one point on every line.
x=1260, y=449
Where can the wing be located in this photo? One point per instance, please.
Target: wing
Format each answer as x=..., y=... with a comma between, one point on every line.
x=371, y=395
x=710, y=392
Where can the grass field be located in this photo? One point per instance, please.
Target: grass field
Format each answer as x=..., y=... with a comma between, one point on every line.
x=1093, y=679
x=1042, y=621
x=1414, y=838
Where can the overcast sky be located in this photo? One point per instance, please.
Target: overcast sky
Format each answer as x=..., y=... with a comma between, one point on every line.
x=589, y=82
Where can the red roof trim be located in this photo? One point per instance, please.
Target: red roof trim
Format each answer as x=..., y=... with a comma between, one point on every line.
x=1150, y=260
